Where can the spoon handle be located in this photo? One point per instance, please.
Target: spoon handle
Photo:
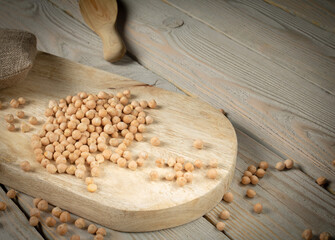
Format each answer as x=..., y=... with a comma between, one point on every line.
x=113, y=46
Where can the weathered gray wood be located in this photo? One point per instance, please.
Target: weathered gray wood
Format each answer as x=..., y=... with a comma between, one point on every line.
x=265, y=36
x=291, y=200
x=13, y=223
x=199, y=229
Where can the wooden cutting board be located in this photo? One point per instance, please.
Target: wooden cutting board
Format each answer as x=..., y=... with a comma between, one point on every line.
x=126, y=200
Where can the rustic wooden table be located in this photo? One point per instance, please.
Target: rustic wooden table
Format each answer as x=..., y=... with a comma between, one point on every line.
x=268, y=63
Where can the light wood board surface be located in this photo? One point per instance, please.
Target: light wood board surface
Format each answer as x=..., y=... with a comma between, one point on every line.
x=125, y=200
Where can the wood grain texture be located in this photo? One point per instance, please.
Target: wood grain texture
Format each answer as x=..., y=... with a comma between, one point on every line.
x=100, y=16
x=266, y=36
x=291, y=200
x=198, y=229
x=13, y=223
x=156, y=203
x=288, y=114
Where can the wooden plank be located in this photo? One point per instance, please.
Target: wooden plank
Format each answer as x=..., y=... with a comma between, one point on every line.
x=198, y=229
x=264, y=35
x=308, y=10
x=13, y=223
x=291, y=200
x=57, y=33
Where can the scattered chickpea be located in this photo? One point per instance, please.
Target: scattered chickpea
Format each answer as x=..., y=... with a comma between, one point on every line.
x=21, y=100
x=171, y=162
x=143, y=155
x=228, y=197
x=258, y=208
x=179, y=174
x=213, y=163
x=321, y=181
x=92, y=229
x=252, y=169
x=51, y=168
x=263, y=165
x=224, y=215
x=155, y=141
x=88, y=180
x=36, y=201
x=251, y=193
x=289, y=163
x=189, y=167
x=98, y=237
x=152, y=103
x=199, y=144
x=34, y=212
x=220, y=226
x=132, y=165
x=11, y=193
x=101, y=231
x=153, y=175
x=254, y=180
x=80, y=223
x=212, y=173
x=20, y=114
x=3, y=206
x=56, y=211
x=43, y=205
x=140, y=162
x=325, y=236
x=33, y=221
x=178, y=167
x=10, y=127
x=25, y=166
x=180, y=160
x=260, y=172
x=198, y=163
x=65, y=217
x=121, y=162
x=50, y=221
x=181, y=181
x=75, y=237
x=247, y=173
x=280, y=166
x=307, y=234
x=245, y=180
x=9, y=118
x=92, y=187
x=149, y=120
x=188, y=176
x=14, y=103
x=25, y=127
x=160, y=162
x=62, y=229
x=170, y=176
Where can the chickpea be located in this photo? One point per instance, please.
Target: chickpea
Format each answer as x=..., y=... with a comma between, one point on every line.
x=56, y=211
x=92, y=187
x=36, y=201
x=65, y=217
x=228, y=197
x=80, y=223
x=101, y=231
x=260, y=172
x=180, y=160
x=25, y=166
x=149, y=120
x=181, y=181
x=252, y=169
x=114, y=142
x=33, y=121
x=51, y=168
x=280, y=166
x=139, y=137
x=121, y=162
x=251, y=193
x=307, y=234
x=179, y=174
x=178, y=167
x=140, y=162
x=34, y=212
x=3, y=206
x=188, y=176
x=258, y=208
x=50, y=222
x=224, y=215
x=189, y=167
x=263, y=165
x=321, y=181
x=62, y=229
x=61, y=168
x=75, y=237
x=171, y=162
x=212, y=173
x=92, y=229
x=43, y=205
x=33, y=221
x=143, y=155
x=325, y=236
x=11, y=193
x=14, y=103
x=245, y=180
x=132, y=165
x=170, y=176
x=141, y=128
x=289, y=163
x=254, y=180
x=198, y=163
x=21, y=100
x=199, y=144
x=160, y=162
x=9, y=118
x=152, y=103
x=220, y=226
x=247, y=173
x=153, y=175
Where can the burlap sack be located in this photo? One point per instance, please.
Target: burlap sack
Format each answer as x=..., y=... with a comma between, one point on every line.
x=17, y=53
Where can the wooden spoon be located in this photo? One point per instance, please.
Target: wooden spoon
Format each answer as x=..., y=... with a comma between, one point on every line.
x=100, y=16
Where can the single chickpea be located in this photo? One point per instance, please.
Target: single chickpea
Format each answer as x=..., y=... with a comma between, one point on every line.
x=114, y=142
x=213, y=163
x=56, y=211
x=141, y=128
x=189, y=167
x=171, y=162
x=9, y=118
x=188, y=176
x=20, y=114
x=170, y=176
x=258, y=208
x=181, y=181
x=245, y=180
x=75, y=237
x=121, y=162
x=62, y=229
x=252, y=169
x=280, y=166
x=21, y=100
x=33, y=121
x=153, y=175
x=80, y=223
x=289, y=163
x=180, y=160
x=139, y=137
x=92, y=229
x=43, y=205
x=224, y=215
x=61, y=168
x=198, y=163
x=307, y=234
x=247, y=173
x=140, y=162
x=155, y=141
x=50, y=222
x=220, y=226
x=160, y=162
x=14, y=103
x=321, y=181
x=179, y=174
x=92, y=187
x=34, y=212
x=143, y=155
x=11, y=193
x=228, y=197
x=3, y=206
x=199, y=144
x=251, y=193
x=25, y=166
x=149, y=120
x=114, y=157
x=152, y=104
x=51, y=168
x=178, y=167
x=212, y=173
x=79, y=173
x=325, y=236
x=101, y=231
x=33, y=221
x=132, y=165
x=254, y=180
x=25, y=127
x=144, y=104
x=36, y=201
x=260, y=172
x=65, y=217
x=263, y=165
x=100, y=158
